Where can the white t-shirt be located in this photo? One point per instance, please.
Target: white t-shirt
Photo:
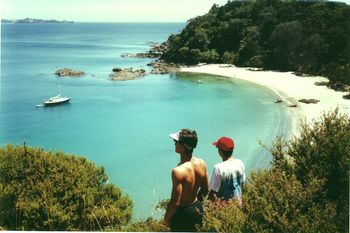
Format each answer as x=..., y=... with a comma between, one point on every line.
x=227, y=177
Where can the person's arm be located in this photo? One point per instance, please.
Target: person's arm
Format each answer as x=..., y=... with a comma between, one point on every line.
x=203, y=191
x=175, y=196
x=212, y=195
x=243, y=177
x=214, y=184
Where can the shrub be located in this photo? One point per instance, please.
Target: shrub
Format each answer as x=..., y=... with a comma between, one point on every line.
x=222, y=217
x=276, y=202
x=149, y=225
x=306, y=189
x=44, y=191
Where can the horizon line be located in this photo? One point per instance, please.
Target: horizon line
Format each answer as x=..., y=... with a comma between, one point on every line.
x=62, y=20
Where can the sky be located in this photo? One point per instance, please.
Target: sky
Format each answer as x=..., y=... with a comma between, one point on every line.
x=108, y=10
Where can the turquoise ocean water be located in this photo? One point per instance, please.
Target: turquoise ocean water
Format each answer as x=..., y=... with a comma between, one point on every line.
x=124, y=126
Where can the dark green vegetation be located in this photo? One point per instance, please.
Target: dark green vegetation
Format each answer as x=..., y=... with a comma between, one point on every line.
x=302, y=36
x=305, y=190
x=44, y=191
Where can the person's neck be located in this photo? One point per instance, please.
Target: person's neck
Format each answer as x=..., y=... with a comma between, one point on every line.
x=226, y=159
x=185, y=158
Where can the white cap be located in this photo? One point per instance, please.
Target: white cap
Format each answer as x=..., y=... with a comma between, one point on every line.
x=175, y=136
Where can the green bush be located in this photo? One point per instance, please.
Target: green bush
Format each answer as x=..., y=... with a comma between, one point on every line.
x=222, y=217
x=306, y=189
x=149, y=225
x=44, y=191
x=276, y=202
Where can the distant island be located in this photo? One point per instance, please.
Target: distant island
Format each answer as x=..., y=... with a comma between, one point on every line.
x=30, y=20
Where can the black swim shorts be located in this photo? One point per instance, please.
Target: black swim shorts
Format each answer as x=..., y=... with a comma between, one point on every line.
x=187, y=217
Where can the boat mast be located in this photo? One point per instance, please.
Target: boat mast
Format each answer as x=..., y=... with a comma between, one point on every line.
x=59, y=86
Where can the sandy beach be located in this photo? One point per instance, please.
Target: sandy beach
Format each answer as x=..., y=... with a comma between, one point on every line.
x=288, y=87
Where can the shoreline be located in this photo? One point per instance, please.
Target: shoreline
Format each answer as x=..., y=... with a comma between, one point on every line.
x=287, y=87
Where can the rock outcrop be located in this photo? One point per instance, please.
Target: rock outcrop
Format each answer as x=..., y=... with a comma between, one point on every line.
x=309, y=101
x=125, y=74
x=69, y=72
x=155, y=51
x=161, y=67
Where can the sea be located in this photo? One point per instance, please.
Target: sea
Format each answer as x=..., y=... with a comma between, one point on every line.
x=124, y=126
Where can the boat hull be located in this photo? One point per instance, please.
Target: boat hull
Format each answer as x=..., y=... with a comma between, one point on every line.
x=56, y=102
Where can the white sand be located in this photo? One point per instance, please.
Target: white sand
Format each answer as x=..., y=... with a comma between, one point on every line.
x=288, y=87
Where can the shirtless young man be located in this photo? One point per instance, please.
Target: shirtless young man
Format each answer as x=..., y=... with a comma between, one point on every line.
x=190, y=185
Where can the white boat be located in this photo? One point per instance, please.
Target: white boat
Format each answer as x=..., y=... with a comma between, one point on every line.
x=56, y=100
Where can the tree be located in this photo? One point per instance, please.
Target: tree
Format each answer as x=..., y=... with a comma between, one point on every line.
x=284, y=45
x=44, y=191
x=250, y=46
x=210, y=56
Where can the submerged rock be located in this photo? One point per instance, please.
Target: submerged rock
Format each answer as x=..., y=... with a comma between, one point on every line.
x=69, y=72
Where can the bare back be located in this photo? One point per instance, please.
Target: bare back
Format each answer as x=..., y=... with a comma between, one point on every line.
x=193, y=178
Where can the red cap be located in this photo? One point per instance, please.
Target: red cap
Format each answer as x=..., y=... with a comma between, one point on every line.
x=225, y=143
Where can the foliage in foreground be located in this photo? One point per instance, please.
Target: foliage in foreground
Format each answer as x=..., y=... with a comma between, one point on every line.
x=222, y=217
x=305, y=190
x=149, y=225
x=44, y=191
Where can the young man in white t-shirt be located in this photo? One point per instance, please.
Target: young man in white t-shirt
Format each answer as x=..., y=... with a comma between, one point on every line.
x=227, y=178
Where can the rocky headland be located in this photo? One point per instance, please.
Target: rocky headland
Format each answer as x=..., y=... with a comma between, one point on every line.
x=156, y=51
x=161, y=67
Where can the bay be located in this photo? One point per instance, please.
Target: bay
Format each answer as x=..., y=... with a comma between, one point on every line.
x=124, y=126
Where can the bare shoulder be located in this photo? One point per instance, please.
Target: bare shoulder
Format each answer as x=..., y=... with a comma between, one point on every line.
x=178, y=172
x=199, y=162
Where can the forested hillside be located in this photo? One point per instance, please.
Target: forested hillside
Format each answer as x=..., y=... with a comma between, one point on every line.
x=302, y=36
